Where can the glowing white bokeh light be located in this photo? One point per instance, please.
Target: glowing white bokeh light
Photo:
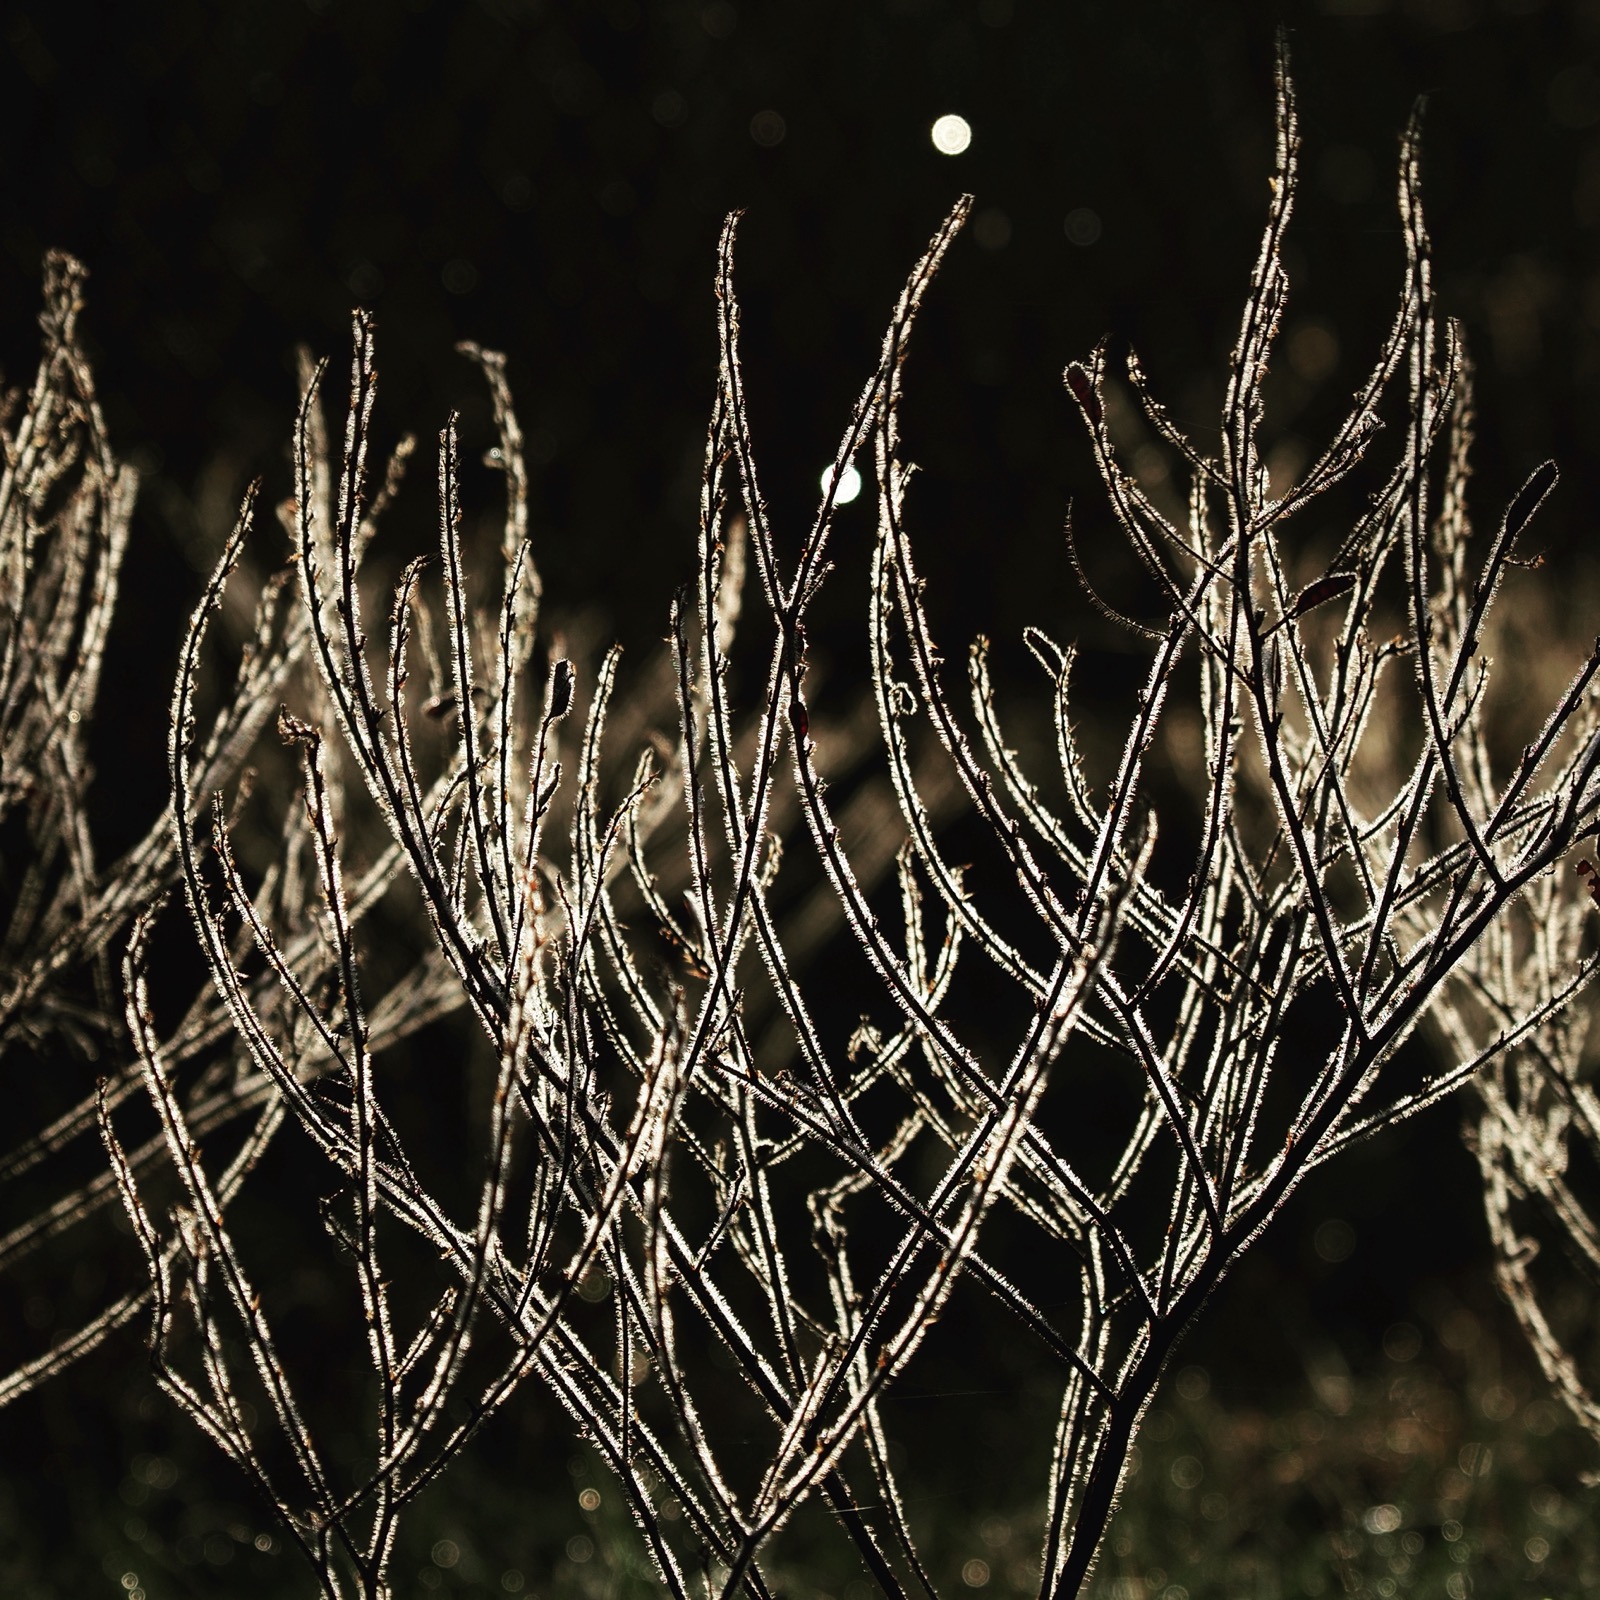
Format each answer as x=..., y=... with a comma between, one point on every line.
x=951, y=134
x=849, y=484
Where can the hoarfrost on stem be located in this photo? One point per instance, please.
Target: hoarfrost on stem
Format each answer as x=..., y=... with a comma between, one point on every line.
x=647, y=1184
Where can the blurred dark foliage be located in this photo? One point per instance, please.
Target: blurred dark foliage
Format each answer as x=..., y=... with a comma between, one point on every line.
x=549, y=179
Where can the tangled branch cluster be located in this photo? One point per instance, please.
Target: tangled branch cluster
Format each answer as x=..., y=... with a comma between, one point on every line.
x=662, y=1192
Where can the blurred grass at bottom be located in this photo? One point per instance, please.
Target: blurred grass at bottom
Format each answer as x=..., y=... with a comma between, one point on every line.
x=1441, y=1470
x=1446, y=1472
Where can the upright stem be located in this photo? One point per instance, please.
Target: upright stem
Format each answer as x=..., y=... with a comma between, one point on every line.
x=1123, y=1415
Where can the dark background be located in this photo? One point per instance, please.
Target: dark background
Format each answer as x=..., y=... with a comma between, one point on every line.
x=550, y=179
